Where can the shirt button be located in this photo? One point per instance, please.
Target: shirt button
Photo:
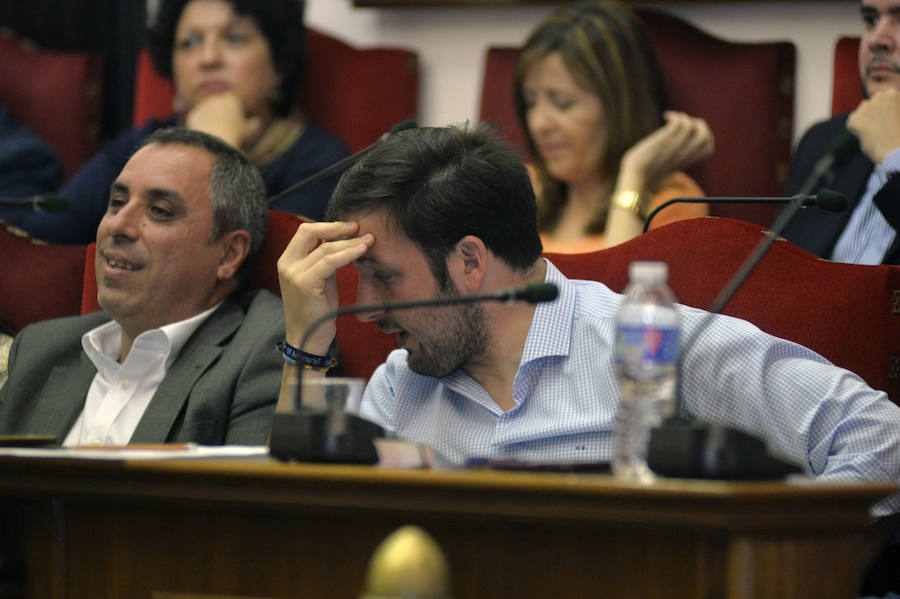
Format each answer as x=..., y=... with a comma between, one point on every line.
x=123, y=383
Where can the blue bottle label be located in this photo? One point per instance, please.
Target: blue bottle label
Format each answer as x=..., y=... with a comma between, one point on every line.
x=635, y=344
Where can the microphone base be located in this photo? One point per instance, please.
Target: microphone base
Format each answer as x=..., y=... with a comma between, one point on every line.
x=308, y=435
x=685, y=449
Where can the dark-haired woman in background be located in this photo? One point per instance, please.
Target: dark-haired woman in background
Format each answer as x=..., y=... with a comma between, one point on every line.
x=589, y=94
x=235, y=66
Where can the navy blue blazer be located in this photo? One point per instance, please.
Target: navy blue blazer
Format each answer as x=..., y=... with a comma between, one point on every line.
x=816, y=230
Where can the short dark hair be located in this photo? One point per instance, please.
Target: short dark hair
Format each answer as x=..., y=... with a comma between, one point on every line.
x=437, y=185
x=607, y=51
x=236, y=188
x=280, y=21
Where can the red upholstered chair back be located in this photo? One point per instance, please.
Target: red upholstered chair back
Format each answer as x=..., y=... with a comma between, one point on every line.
x=848, y=313
x=38, y=281
x=153, y=93
x=846, y=86
x=57, y=94
x=281, y=228
x=743, y=90
x=357, y=94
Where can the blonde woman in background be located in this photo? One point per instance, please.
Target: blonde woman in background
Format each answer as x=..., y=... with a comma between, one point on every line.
x=590, y=97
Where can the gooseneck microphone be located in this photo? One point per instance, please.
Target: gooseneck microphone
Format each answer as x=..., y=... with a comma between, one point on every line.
x=683, y=448
x=42, y=202
x=343, y=164
x=318, y=435
x=825, y=199
x=836, y=153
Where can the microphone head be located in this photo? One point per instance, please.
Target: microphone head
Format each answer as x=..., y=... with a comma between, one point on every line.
x=403, y=125
x=54, y=203
x=534, y=293
x=831, y=201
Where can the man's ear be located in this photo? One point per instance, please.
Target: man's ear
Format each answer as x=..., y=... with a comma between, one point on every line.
x=469, y=262
x=235, y=247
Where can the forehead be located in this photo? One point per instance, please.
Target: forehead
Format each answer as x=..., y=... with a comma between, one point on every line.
x=550, y=66
x=391, y=247
x=551, y=70
x=182, y=169
x=207, y=12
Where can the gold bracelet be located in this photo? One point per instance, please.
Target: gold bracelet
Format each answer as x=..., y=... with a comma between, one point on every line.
x=632, y=201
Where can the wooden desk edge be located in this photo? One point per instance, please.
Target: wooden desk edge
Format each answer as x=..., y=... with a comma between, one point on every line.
x=579, y=498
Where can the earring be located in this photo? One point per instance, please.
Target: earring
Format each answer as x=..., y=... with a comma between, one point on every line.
x=178, y=105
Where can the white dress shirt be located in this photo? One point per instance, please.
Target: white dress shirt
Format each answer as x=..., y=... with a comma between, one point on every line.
x=120, y=393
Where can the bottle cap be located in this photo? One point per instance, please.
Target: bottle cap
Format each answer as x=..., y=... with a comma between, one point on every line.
x=648, y=273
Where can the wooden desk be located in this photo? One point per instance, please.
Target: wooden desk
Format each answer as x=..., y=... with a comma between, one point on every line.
x=265, y=529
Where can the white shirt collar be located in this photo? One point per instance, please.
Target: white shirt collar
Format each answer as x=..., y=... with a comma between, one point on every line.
x=103, y=344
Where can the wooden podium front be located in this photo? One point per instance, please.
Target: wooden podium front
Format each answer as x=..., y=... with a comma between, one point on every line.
x=259, y=528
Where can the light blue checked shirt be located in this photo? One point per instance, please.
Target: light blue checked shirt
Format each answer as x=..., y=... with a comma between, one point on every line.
x=566, y=395
x=868, y=235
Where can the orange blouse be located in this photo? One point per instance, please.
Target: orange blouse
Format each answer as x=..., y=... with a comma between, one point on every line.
x=676, y=185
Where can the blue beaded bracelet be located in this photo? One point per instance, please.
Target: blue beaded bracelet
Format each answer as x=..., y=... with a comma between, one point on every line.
x=292, y=355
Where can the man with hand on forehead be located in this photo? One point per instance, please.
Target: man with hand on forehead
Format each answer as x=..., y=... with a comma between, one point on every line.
x=438, y=212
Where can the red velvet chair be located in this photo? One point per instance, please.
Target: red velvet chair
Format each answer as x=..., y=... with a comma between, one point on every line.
x=846, y=86
x=38, y=281
x=58, y=94
x=743, y=90
x=848, y=313
x=358, y=94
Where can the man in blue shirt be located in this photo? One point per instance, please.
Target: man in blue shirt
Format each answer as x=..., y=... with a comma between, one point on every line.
x=450, y=211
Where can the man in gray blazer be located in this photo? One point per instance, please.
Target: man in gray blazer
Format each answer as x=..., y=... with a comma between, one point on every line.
x=180, y=353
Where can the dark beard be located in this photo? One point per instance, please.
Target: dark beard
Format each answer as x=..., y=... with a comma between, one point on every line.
x=459, y=337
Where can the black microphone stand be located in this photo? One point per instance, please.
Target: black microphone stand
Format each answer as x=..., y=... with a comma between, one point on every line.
x=683, y=448
x=825, y=199
x=43, y=202
x=807, y=200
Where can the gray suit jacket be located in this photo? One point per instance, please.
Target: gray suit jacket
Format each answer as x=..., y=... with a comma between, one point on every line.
x=221, y=389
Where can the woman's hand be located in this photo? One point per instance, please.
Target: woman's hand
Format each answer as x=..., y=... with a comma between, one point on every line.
x=223, y=115
x=681, y=142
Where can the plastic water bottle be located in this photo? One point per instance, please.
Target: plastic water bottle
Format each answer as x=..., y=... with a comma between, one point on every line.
x=647, y=326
